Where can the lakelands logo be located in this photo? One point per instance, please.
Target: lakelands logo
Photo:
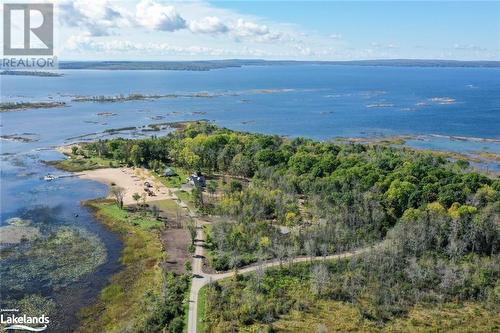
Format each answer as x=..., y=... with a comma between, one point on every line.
x=28, y=30
x=23, y=322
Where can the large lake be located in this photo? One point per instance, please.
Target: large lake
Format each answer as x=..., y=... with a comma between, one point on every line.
x=441, y=108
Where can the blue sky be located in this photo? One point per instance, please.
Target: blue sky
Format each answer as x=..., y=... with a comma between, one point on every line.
x=403, y=22
x=306, y=30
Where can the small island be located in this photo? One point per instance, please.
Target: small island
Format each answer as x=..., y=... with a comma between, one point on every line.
x=138, y=97
x=118, y=98
x=31, y=73
x=16, y=106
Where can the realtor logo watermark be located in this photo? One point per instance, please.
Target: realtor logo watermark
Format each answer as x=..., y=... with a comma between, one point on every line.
x=28, y=36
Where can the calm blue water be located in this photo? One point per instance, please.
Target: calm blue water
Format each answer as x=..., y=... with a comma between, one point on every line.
x=309, y=100
x=321, y=102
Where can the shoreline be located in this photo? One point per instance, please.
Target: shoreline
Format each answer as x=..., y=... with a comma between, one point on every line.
x=131, y=180
x=113, y=306
x=143, y=255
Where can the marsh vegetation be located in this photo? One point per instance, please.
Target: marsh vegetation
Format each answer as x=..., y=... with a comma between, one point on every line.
x=143, y=296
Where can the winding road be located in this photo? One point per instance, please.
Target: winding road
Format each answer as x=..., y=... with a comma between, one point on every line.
x=201, y=278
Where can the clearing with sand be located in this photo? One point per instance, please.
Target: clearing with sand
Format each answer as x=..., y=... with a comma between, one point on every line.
x=132, y=181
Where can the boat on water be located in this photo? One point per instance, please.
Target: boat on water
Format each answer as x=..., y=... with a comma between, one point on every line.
x=49, y=177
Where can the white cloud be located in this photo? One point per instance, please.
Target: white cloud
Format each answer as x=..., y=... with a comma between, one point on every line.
x=142, y=27
x=156, y=16
x=245, y=29
x=120, y=47
x=468, y=47
x=303, y=50
x=208, y=25
x=102, y=18
x=95, y=17
x=249, y=29
x=85, y=43
x=383, y=46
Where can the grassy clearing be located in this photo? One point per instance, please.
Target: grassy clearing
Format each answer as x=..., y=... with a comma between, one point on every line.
x=139, y=219
x=186, y=198
x=490, y=156
x=200, y=327
x=83, y=164
x=337, y=316
x=169, y=209
x=174, y=181
x=120, y=306
x=168, y=206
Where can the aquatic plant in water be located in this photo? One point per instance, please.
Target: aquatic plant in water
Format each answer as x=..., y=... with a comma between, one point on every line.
x=52, y=262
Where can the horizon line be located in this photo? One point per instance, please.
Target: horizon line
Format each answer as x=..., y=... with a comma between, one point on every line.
x=277, y=60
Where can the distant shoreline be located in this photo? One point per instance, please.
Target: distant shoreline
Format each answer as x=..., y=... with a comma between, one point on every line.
x=30, y=73
x=206, y=65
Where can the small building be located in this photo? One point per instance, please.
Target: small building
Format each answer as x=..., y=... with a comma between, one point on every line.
x=197, y=180
x=169, y=172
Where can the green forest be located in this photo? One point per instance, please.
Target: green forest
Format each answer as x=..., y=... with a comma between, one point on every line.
x=433, y=225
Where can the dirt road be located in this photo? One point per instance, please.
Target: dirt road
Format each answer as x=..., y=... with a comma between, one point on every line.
x=200, y=278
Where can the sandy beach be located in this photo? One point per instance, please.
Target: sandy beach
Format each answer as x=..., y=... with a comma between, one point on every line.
x=131, y=180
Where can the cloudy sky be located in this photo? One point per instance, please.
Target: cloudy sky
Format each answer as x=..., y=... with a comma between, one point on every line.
x=175, y=30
